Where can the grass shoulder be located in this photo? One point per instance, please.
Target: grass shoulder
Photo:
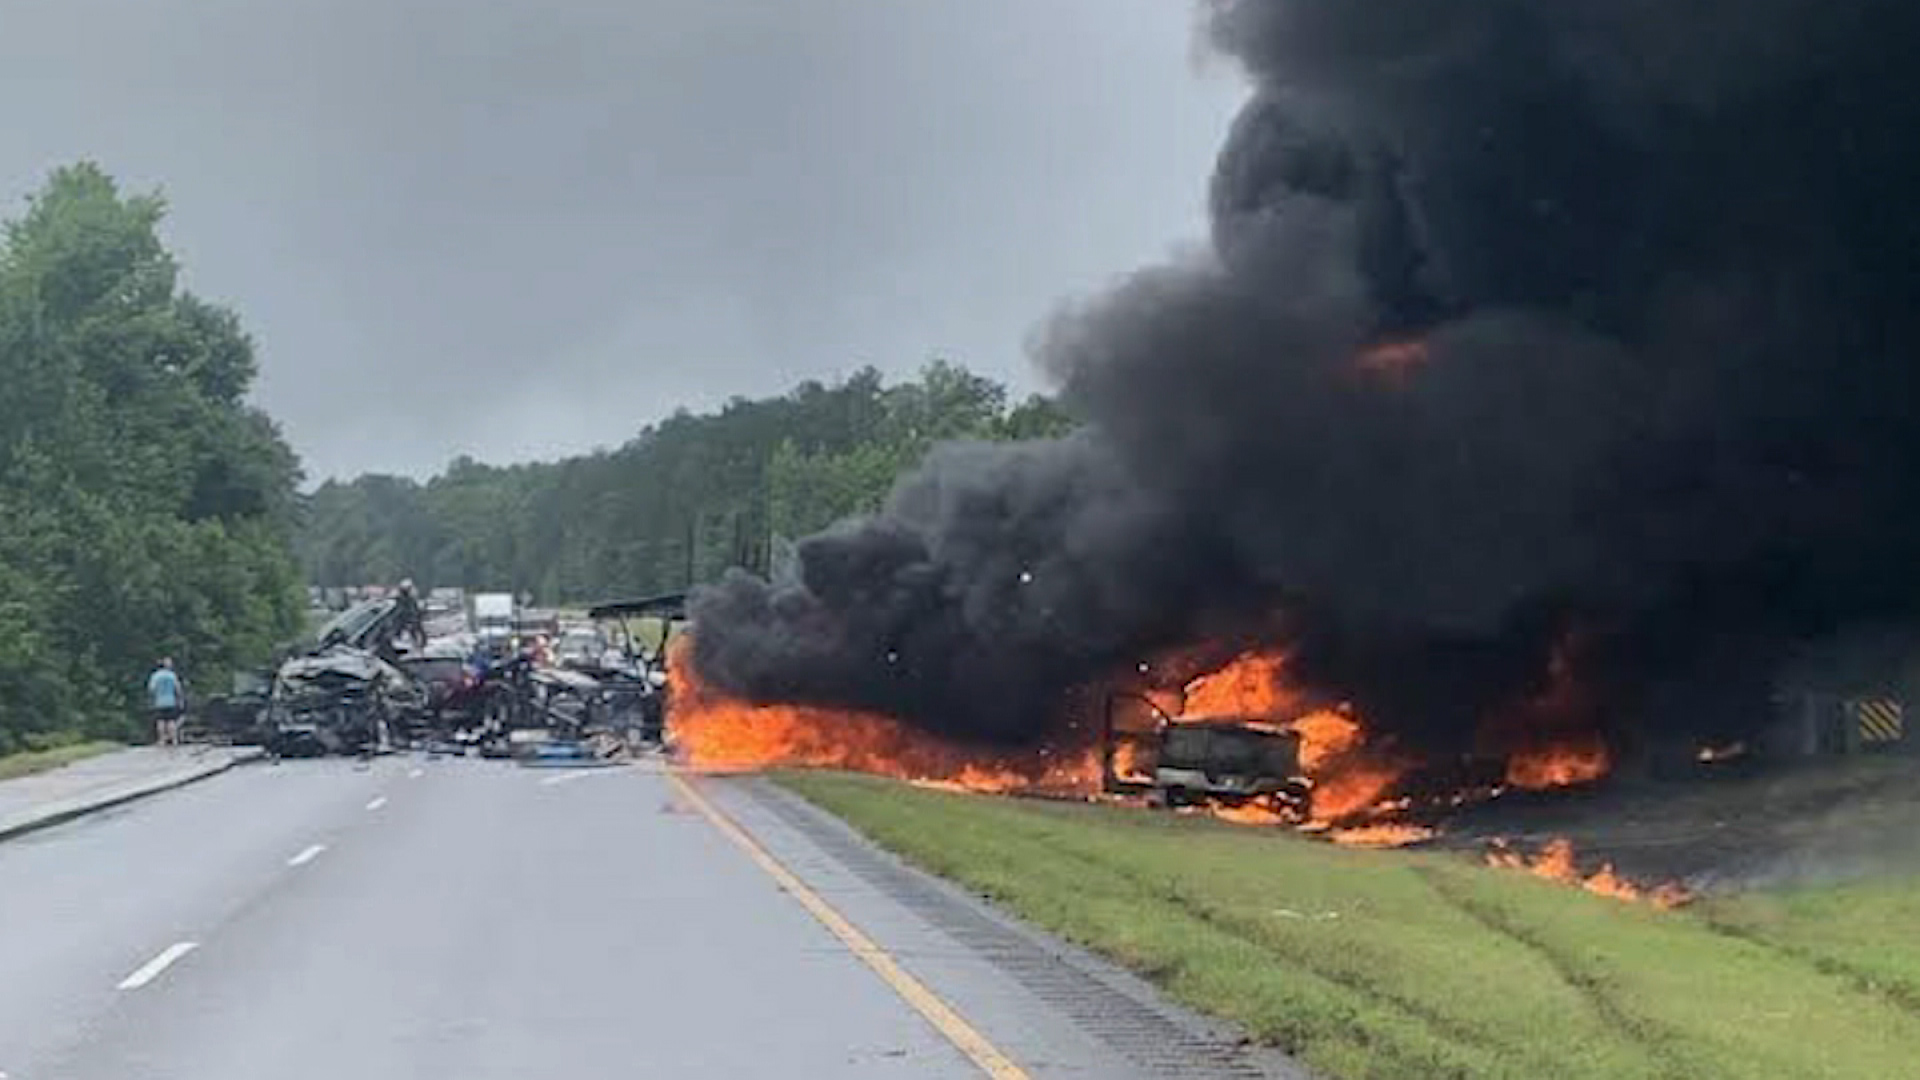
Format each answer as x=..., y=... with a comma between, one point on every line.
x=1383, y=965
x=29, y=762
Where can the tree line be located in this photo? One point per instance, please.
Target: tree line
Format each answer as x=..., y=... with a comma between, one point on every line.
x=678, y=504
x=145, y=508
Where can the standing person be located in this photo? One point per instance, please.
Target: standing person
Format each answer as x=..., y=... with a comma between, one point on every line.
x=168, y=700
x=408, y=610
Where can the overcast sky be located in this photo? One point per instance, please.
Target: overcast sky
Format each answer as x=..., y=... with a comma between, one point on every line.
x=521, y=228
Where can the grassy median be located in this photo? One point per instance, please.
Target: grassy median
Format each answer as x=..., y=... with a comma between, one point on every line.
x=1399, y=965
x=28, y=762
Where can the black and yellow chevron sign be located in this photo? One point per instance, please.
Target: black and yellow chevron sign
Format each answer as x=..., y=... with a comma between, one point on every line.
x=1881, y=720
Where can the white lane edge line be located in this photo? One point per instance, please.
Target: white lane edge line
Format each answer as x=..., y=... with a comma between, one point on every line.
x=377, y=803
x=307, y=855
x=151, y=970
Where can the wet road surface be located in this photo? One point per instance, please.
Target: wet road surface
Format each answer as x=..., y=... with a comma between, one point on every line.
x=417, y=918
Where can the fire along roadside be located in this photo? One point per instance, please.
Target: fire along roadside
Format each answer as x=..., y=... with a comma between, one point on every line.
x=1241, y=743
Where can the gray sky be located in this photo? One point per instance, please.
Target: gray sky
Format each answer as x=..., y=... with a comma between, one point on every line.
x=521, y=228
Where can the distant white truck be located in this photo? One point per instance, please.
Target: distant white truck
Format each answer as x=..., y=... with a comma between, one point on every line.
x=493, y=615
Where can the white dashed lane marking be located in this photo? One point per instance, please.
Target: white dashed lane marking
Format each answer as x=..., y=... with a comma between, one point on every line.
x=307, y=855
x=579, y=774
x=151, y=970
x=377, y=803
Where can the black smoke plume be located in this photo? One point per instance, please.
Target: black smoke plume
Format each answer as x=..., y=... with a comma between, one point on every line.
x=1518, y=316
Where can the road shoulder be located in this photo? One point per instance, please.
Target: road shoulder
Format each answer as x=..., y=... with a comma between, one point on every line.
x=1055, y=1009
x=57, y=796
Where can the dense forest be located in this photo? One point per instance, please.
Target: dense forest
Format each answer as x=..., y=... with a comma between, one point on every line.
x=682, y=501
x=145, y=508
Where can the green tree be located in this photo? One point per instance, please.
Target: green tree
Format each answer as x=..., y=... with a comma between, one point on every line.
x=682, y=501
x=145, y=508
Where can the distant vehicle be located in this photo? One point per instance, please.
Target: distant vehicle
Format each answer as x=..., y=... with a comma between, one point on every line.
x=581, y=647
x=493, y=615
x=530, y=622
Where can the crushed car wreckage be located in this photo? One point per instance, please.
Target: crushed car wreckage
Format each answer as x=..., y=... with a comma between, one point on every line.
x=339, y=701
x=364, y=689
x=347, y=696
x=596, y=704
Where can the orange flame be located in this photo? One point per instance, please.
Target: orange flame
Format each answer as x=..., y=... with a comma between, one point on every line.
x=1353, y=789
x=1252, y=686
x=1385, y=834
x=1348, y=778
x=1552, y=739
x=1581, y=759
x=1325, y=736
x=715, y=732
x=1129, y=763
x=1555, y=862
x=1393, y=360
x=1249, y=814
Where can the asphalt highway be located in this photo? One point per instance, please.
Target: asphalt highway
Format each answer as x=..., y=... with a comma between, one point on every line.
x=420, y=918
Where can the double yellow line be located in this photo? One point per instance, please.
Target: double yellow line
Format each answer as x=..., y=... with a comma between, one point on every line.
x=942, y=1016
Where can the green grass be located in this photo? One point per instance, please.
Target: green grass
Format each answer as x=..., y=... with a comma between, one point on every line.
x=28, y=762
x=1394, y=965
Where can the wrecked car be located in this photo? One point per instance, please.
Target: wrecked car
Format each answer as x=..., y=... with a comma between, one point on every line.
x=235, y=718
x=633, y=670
x=524, y=707
x=452, y=704
x=339, y=701
x=346, y=696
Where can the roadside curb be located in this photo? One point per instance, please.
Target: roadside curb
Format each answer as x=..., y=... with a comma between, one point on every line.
x=60, y=814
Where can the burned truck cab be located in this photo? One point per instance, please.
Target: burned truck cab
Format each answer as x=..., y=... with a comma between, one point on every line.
x=1229, y=760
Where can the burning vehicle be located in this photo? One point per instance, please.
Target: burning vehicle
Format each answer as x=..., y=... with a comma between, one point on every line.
x=1231, y=761
x=1501, y=398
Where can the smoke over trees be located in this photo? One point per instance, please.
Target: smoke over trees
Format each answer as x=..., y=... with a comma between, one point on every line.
x=1516, y=318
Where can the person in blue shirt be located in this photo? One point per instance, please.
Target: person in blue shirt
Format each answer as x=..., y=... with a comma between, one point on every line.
x=168, y=700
